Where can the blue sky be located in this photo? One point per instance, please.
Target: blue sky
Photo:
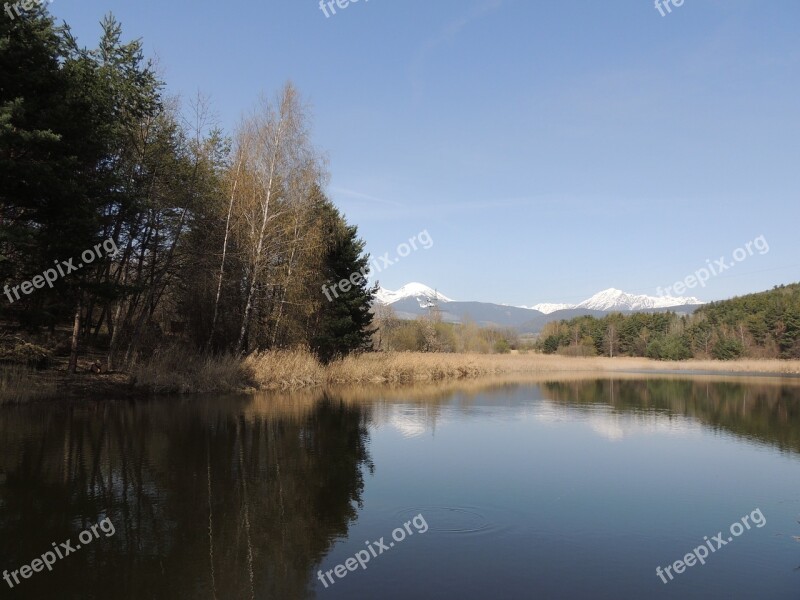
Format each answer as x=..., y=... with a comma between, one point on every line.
x=550, y=148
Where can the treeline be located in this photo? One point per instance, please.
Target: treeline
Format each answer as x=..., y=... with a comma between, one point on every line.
x=765, y=412
x=763, y=325
x=429, y=333
x=222, y=241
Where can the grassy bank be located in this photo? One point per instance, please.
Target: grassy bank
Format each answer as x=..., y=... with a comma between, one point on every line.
x=177, y=372
x=171, y=372
x=22, y=384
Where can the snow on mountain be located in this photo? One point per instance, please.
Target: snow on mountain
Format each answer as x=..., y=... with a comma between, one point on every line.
x=548, y=308
x=421, y=292
x=613, y=299
x=608, y=300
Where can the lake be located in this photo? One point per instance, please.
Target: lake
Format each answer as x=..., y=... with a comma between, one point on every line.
x=572, y=488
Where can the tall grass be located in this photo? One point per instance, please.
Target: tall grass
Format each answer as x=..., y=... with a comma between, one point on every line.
x=175, y=371
x=21, y=384
x=178, y=371
x=284, y=369
x=408, y=367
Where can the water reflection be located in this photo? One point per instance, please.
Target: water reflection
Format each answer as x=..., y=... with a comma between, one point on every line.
x=768, y=412
x=216, y=499
x=248, y=497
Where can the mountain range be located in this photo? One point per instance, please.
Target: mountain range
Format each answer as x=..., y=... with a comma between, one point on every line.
x=617, y=300
x=415, y=299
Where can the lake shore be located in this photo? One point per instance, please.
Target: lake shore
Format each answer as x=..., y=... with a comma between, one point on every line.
x=177, y=373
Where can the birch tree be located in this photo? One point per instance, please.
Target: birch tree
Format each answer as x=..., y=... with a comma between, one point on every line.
x=275, y=153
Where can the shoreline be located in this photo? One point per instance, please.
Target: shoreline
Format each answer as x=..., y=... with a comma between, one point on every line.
x=292, y=370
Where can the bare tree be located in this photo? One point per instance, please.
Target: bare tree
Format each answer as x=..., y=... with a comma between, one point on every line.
x=275, y=153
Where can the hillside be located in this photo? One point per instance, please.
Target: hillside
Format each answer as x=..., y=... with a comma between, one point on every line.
x=760, y=325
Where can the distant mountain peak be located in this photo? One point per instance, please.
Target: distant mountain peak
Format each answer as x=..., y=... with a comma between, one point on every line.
x=415, y=299
x=549, y=307
x=421, y=292
x=609, y=300
x=613, y=299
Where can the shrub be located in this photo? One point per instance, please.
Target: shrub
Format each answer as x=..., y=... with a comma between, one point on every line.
x=550, y=344
x=16, y=351
x=501, y=346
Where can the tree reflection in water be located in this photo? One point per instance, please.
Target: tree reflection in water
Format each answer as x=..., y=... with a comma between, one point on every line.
x=232, y=498
x=766, y=412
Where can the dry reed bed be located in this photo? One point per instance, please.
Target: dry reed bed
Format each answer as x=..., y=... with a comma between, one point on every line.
x=175, y=372
x=23, y=384
x=298, y=369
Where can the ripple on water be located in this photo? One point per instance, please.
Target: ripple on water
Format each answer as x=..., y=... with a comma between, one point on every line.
x=451, y=520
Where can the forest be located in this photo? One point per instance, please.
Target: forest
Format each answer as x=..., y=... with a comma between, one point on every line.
x=138, y=237
x=762, y=325
x=221, y=241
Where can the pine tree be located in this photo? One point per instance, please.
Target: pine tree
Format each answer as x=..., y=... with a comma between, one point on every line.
x=52, y=141
x=345, y=323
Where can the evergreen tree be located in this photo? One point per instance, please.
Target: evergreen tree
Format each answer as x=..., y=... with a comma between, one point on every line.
x=52, y=143
x=346, y=314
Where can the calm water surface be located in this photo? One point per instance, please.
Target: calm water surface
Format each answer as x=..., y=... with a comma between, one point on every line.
x=572, y=489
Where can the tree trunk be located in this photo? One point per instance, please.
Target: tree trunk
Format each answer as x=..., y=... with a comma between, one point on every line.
x=224, y=254
x=260, y=245
x=286, y=283
x=76, y=330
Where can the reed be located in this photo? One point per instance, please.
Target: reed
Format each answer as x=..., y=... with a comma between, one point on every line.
x=19, y=384
x=175, y=371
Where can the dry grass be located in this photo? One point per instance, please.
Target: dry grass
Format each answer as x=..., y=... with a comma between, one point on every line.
x=285, y=369
x=755, y=366
x=179, y=371
x=22, y=384
x=406, y=367
x=297, y=369
x=174, y=371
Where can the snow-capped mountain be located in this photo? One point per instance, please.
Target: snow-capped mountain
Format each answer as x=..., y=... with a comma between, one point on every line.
x=415, y=299
x=548, y=308
x=613, y=299
x=420, y=292
x=606, y=301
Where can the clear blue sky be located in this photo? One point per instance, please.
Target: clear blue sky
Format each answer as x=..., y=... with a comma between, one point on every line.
x=550, y=148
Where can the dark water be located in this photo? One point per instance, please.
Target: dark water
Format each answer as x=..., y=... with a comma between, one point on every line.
x=574, y=489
